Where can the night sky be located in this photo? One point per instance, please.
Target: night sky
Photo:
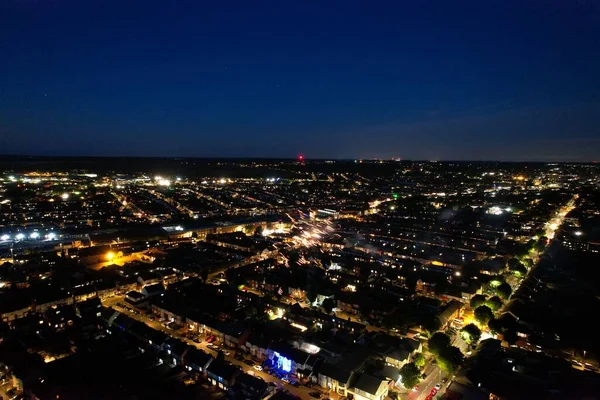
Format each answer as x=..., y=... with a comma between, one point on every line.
x=474, y=80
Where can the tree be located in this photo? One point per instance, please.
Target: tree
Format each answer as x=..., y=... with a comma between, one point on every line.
x=494, y=303
x=432, y=324
x=419, y=360
x=510, y=336
x=410, y=375
x=258, y=231
x=204, y=274
x=471, y=333
x=513, y=262
x=328, y=305
x=450, y=359
x=495, y=326
x=483, y=315
x=438, y=343
x=504, y=291
x=311, y=293
x=540, y=245
x=477, y=300
x=519, y=270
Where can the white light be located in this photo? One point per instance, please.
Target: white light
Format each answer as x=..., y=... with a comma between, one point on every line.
x=578, y=233
x=20, y=236
x=64, y=196
x=5, y=237
x=51, y=236
x=508, y=209
x=34, y=235
x=164, y=182
x=178, y=228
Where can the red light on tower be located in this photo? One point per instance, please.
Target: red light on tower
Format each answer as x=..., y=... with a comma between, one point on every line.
x=300, y=157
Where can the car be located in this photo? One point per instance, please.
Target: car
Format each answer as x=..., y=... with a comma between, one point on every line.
x=444, y=380
x=257, y=367
x=316, y=395
x=415, y=388
x=226, y=352
x=433, y=392
x=438, y=386
x=238, y=357
x=249, y=363
x=196, y=339
x=285, y=379
x=429, y=397
x=210, y=339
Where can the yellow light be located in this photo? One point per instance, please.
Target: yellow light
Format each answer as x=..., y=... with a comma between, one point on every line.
x=110, y=255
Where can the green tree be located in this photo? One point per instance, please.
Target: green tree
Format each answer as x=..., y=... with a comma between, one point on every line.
x=432, y=324
x=519, y=270
x=477, y=300
x=438, y=343
x=419, y=360
x=511, y=263
x=328, y=305
x=410, y=375
x=483, y=315
x=471, y=334
x=494, y=303
x=504, y=291
x=495, y=326
x=450, y=359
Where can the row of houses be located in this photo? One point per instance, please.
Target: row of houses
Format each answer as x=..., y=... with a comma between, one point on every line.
x=217, y=371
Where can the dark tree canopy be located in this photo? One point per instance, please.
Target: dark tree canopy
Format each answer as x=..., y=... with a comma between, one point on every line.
x=504, y=291
x=450, y=359
x=410, y=375
x=438, y=342
x=328, y=305
x=483, y=315
x=477, y=300
x=471, y=333
x=494, y=303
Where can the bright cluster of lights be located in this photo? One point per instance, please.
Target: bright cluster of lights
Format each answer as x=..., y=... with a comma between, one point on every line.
x=495, y=210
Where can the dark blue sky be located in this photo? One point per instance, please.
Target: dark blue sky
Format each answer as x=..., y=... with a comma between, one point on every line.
x=508, y=80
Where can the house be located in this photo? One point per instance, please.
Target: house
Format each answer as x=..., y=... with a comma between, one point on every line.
x=175, y=350
x=257, y=345
x=197, y=360
x=287, y=358
x=450, y=312
x=368, y=387
x=222, y=374
x=153, y=290
x=135, y=298
x=250, y=387
x=335, y=377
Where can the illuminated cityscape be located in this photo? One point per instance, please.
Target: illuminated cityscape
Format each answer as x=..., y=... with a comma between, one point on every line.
x=310, y=278
x=295, y=200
